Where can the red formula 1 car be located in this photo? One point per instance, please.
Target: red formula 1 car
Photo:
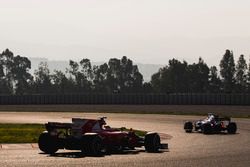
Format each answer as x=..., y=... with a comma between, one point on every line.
x=94, y=137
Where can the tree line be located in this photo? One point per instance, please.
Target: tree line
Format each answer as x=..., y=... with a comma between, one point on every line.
x=122, y=76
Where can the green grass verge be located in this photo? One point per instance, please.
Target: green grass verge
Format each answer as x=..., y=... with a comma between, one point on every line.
x=29, y=133
x=20, y=133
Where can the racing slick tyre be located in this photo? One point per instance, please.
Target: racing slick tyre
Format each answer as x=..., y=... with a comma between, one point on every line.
x=188, y=126
x=152, y=142
x=47, y=143
x=206, y=129
x=232, y=128
x=92, y=145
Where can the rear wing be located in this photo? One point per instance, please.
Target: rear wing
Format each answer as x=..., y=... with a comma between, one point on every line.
x=57, y=125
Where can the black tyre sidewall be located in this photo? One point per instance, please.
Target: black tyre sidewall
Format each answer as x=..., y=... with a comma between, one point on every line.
x=188, y=126
x=152, y=142
x=232, y=128
x=47, y=144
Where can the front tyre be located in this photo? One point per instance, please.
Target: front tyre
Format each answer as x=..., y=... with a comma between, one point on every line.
x=152, y=142
x=47, y=143
x=232, y=128
x=188, y=126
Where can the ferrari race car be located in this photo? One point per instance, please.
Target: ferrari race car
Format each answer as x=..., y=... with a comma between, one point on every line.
x=212, y=124
x=93, y=137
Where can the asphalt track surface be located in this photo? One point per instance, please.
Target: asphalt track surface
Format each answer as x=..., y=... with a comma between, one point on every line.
x=193, y=149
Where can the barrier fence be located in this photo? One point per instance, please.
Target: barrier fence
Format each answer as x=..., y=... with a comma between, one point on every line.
x=132, y=99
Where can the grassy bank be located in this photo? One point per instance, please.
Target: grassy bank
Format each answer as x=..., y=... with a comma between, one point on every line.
x=20, y=133
x=29, y=133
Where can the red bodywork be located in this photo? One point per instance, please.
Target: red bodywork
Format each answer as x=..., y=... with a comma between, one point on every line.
x=111, y=137
x=93, y=137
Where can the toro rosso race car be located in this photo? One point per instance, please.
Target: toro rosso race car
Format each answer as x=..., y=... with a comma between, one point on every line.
x=93, y=137
x=212, y=124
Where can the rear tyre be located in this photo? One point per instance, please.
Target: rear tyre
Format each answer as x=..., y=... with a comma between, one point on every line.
x=232, y=128
x=92, y=145
x=152, y=142
x=188, y=126
x=206, y=129
x=47, y=143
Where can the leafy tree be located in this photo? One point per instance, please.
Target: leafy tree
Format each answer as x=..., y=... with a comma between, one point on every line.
x=86, y=69
x=61, y=83
x=137, y=80
x=2, y=81
x=172, y=78
x=81, y=76
x=126, y=72
x=74, y=67
x=160, y=81
x=178, y=76
x=214, y=80
x=241, y=74
x=14, y=73
x=248, y=78
x=87, y=74
x=100, y=78
x=113, y=75
x=227, y=71
x=123, y=76
x=22, y=77
x=130, y=77
x=6, y=67
x=4, y=89
x=42, y=83
x=1, y=68
x=147, y=87
x=74, y=71
x=198, y=77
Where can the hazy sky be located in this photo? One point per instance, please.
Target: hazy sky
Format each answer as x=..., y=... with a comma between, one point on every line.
x=147, y=31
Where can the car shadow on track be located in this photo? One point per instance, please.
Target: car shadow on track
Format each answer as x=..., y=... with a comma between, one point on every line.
x=216, y=133
x=82, y=155
x=68, y=155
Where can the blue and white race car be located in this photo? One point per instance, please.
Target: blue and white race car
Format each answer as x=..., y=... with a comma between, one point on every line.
x=212, y=124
